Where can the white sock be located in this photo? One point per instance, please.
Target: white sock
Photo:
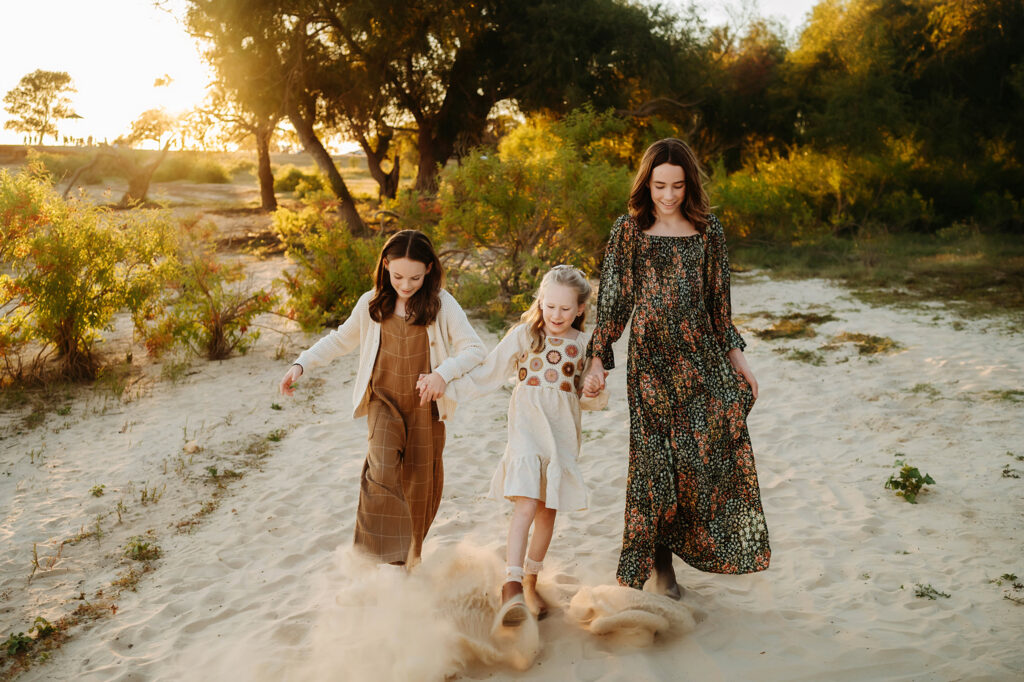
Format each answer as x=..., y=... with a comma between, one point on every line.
x=514, y=574
x=533, y=567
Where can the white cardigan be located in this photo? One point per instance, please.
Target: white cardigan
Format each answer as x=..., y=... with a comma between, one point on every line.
x=455, y=348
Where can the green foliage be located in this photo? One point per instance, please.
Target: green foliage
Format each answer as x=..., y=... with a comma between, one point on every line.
x=209, y=306
x=289, y=178
x=193, y=167
x=333, y=268
x=97, y=490
x=72, y=266
x=909, y=483
x=928, y=592
x=139, y=549
x=17, y=644
x=413, y=210
x=808, y=195
x=541, y=200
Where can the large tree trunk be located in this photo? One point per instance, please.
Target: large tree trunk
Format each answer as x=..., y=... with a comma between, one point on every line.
x=265, y=175
x=386, y=182
x=433, y=154
x=463, y=114
x=323, y=160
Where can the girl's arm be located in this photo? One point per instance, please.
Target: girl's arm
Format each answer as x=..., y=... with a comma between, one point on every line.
x=718, y=301
x=495, y=370
x=340, y=341
x=717, y=297
x=614, y=298
x=466, y=350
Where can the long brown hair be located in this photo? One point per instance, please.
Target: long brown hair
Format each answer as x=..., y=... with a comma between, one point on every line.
x=695, y=204
x=424, y=305
x=533, y=318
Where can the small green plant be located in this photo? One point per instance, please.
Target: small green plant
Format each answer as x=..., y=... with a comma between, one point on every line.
x=120, y=509
x=212, y=471
x=1005, y=577
x=97, y=490
x=151, y=495
x=17, y=644
x=139, y=549
x=276, y=435
x=276, y=406
x=928, y=592
x=42, y=627
x=909, y=483
x=64, y=410
x=1010, y=473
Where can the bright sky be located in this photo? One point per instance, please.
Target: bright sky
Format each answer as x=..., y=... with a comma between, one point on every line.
x=115, y=50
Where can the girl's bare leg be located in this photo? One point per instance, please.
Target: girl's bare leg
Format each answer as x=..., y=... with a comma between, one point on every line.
x=543, y=529
x=518, y=531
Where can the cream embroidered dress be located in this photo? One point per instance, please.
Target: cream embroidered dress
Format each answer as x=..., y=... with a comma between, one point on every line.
x=543, y=416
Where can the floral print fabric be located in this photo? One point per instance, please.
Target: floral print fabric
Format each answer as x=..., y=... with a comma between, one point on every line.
x=692, y=484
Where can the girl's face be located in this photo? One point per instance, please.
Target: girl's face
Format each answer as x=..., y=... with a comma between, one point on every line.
x=407, y=276
x=559, y=308
x=668, y=187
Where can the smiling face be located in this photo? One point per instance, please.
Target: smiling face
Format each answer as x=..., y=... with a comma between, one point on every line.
x=668, y=186
x=406, y=276
x=559, y=308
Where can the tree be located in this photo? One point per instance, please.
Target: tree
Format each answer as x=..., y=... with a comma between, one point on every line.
x=39, y=102
x=243, y=121
x=265, y=53
x=436, y=68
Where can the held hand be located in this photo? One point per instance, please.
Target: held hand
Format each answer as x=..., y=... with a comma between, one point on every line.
x=293, y=374
x=740, y=363
x=431, y=387
x=593, y=382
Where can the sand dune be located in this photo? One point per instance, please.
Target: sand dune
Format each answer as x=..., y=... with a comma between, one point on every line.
x=264, y=587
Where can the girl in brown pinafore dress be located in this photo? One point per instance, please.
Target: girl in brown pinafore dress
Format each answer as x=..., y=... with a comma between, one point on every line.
x=413, y=339
x=403, y=474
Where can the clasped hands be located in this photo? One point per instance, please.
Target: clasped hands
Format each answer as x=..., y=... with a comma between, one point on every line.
x=431, y=387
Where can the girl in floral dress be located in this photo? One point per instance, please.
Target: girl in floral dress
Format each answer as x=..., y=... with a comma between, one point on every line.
x=692, y=486
x=538, y=473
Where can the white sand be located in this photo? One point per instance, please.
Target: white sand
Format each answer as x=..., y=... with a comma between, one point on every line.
x=264, y=588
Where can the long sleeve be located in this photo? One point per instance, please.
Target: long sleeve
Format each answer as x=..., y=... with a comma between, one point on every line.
x=615, y=296
x=495, y=370
x=340, y=341
x=465, y=349
x=717, y=296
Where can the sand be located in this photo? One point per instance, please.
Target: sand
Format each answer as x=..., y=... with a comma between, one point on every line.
x=264, y=587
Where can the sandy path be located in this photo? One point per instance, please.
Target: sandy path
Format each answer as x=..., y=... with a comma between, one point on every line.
x=263, y=588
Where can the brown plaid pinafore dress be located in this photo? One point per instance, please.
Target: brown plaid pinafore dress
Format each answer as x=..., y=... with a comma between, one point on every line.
x=403, y=475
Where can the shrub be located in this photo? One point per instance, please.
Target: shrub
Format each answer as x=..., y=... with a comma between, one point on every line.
x=333, y=268
x=208, y=307
x=909, y=483
x=191, y=166
x=539, y=201
x=72, y=267
x=289, y=177
x=807, y=195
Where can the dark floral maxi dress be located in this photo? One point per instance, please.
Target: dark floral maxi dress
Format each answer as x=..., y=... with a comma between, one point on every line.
x=692, y=485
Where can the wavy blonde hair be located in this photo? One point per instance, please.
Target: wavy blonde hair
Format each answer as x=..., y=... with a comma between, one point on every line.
x=533, y=318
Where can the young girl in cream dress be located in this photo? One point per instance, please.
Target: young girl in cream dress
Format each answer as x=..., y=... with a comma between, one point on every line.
x=545, y=353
